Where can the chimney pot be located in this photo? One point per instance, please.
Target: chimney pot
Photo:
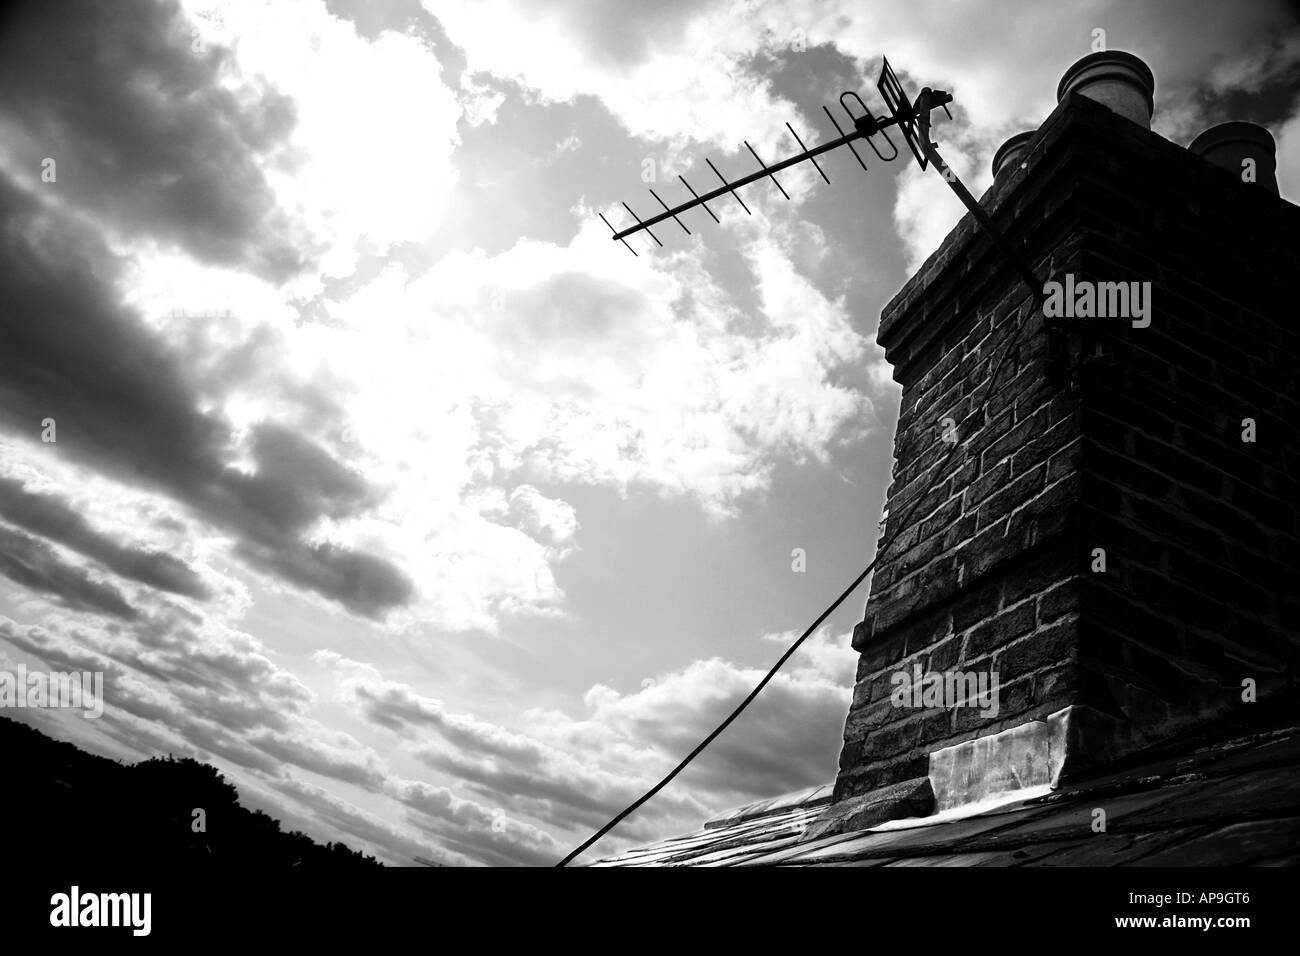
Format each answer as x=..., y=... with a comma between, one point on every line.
x=1116, y=79
x=1228, y=144
x=1009, y=153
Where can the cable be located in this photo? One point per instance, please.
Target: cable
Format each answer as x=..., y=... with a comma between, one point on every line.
x=1012, y=337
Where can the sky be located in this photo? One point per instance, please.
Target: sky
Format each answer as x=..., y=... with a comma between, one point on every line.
x=385, y=481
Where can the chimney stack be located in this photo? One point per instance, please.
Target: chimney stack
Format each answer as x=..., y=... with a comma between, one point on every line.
x=1104, y=563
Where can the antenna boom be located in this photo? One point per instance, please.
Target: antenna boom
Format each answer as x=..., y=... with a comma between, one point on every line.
x=903, y=113
x=872, y=127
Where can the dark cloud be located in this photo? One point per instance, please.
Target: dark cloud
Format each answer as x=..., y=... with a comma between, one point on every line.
x=567, y=801
x=341, y=817
x=37, y=566
x=463, y=831
x=350, y=765
x=201, y=737
x=125, y=405
x=397, y=707
x=207, y=713
x=477, y=831
x=789, y=741
x=360, y=582
x=64, y=655
x=240, y=711
x=51, y=517
x=144, y=135
x=296, y=482
x=515, y=770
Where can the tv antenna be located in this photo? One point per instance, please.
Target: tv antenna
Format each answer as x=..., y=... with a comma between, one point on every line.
x=912, y=117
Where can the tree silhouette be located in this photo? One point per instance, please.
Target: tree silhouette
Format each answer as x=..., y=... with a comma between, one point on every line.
x=72, y=805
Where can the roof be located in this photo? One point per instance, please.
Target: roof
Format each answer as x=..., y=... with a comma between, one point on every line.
x=1228, y=803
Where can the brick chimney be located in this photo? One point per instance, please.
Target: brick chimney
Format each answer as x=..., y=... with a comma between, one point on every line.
x=1119, y=548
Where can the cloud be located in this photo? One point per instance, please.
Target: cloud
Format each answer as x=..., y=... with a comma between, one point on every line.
x=672, y=71
x=335, y=754
x=524, y=773
x=789, y=739
x=147, y=706
x=333, y=816
x=148, y=137
x=368, y=162
x=473, y=830
x=124, y=405
x=51, y=517
x=550, y=518
x=36, y=565
x=193, y=667
x=584, y=370
x=925, y=210
x=215, y=689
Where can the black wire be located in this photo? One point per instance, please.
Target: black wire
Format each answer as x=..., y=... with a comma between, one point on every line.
x=1006, y=350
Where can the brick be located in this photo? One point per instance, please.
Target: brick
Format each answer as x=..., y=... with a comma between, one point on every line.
x=973, y=607
x=988, y=483
x=1053, y=512
x=1046, y=570
x=1127, y=613
x=1048, y=645
x=1003, y=502
x=1163, y=595
x=926, y=630
x=945, y=656
x=988, y=432
x=962, y=529
x=930, y=547
x=1217, y=582
x=1128, y=473
x=1061, y=434
x=989, y=548
x=1016, y=438
x=945, y=515
x=1263, y=508
x=1158, y=670
x=882, y=652
x=890, y=739
x=1064, y=598
x=1000, y=630
x=1054, y=686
